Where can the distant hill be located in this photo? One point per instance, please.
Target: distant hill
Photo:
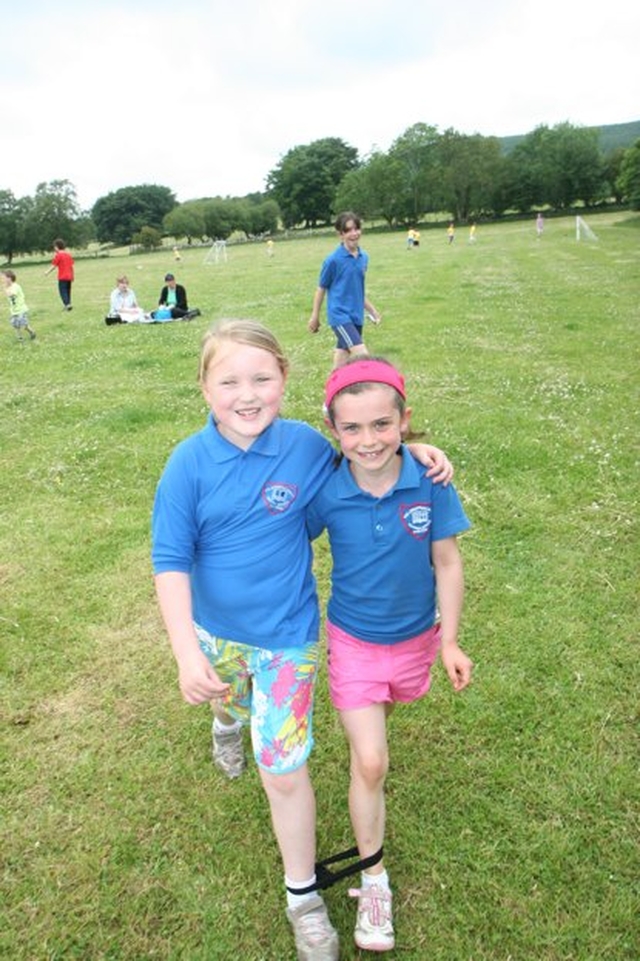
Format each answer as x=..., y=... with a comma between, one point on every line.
x=612, y=136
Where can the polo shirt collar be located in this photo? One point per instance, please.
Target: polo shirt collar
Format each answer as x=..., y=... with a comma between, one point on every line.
x=268, y=444
x=409, y=477
x=345, y=252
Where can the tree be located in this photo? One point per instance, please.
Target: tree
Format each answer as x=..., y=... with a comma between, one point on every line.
x=556, y=166
x=415, y=151
x=9, y=225
x=186, y=220
x=264, y=217
x=629, y=179
x=573, y=164
x=525, y=179
x=148, y=237
x=612, y=168
x=376, y=189
x=53, y=212
x=219, y=218
x=122, y=213
x=469, y=168
x=305, y=181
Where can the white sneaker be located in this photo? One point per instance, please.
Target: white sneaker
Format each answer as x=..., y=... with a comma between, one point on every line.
x=316, y=939
x=374, y=927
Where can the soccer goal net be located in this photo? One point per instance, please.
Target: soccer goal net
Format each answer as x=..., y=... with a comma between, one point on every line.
x=583, y=230
x=217, y=252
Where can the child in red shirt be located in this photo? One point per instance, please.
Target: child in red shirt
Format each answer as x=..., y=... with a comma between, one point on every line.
x=63, y=261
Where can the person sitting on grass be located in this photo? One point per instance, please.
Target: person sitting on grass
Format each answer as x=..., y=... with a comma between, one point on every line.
x=173, y=297
x=123, y=305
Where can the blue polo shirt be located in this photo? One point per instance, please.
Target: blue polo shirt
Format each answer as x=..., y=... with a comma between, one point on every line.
x=342, y=276
x=234, y=520
x=383, y=586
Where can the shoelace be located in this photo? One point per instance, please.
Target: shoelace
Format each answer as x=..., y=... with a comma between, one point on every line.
x=375, y=902
x=313, y=925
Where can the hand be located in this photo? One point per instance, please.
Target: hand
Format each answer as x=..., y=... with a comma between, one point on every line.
x=457, y=665
x=441, y=470
x=198, y=680
x=440, y=467
x=314, y=325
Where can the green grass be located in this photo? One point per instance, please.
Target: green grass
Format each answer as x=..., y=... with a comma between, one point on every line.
x=512, y=809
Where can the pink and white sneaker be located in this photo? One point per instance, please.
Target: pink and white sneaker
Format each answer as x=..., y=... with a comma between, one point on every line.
x=374, y=926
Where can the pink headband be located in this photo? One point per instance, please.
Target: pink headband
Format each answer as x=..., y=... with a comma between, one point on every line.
x=362, y=372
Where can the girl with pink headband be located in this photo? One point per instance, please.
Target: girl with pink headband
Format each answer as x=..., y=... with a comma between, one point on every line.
x=370, y=370
x=393, y=534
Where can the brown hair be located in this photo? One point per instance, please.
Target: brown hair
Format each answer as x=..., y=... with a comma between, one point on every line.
x=343, y=219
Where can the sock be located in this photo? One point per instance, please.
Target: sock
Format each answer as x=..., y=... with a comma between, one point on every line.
x=295, y=900
x=225, y=728
x=379, y=880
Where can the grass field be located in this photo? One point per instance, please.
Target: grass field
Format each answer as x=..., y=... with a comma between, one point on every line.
x=513, y=808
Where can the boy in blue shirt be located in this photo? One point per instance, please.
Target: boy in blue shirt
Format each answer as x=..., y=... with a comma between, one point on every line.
x=342, y=278
x=393, y=531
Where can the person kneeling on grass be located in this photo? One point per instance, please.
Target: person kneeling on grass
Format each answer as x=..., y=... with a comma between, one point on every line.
x=392, y=529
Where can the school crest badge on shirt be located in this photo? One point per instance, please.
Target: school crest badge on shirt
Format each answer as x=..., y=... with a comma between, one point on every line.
x=416, y=519
x=279, y=497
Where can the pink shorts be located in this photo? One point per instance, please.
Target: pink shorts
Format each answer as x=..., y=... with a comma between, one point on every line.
x=361, y=673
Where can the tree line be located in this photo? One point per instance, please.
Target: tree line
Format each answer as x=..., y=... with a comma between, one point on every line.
x=460, y=176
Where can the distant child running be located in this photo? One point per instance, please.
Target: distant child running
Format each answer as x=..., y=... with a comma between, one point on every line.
x=342, y=279
x=63, y=262
x=232, y=563
x=393, y=535
x=451, y=232
x=17, y=305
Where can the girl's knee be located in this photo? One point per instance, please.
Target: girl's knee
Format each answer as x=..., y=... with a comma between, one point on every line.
x=371, y=768
x=285, y=785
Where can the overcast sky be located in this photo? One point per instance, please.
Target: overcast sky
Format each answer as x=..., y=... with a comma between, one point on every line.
x=205, y=97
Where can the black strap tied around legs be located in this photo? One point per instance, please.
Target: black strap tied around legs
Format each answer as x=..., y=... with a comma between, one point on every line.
x=326, y=878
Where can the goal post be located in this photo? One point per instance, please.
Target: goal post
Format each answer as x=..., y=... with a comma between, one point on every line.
x=217, y=252
x=583, y=230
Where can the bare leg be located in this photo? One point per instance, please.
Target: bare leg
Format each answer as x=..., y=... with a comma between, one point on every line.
x=293, y=814
x=341, y=356
x=366, y=732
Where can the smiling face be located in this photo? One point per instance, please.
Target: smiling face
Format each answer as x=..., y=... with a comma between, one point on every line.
x=244, y=387
x=350, y=236
x=369, y=427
